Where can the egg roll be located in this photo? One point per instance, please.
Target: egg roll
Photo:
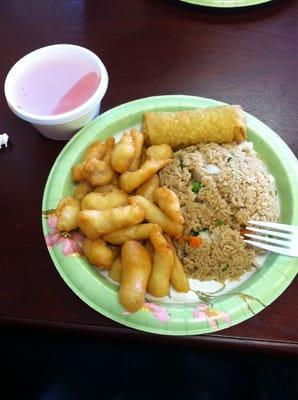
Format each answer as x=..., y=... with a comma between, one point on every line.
x=220, y=124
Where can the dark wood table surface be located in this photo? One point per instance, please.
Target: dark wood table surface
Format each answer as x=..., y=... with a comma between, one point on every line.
x=150, y=47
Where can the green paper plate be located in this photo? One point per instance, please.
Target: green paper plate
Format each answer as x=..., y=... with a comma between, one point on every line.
x=211, y=313
x=226, y=3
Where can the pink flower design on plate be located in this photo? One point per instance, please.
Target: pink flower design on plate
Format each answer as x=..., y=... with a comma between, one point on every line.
x=70, y=242
x=205, y=313
x=226, y=317
x=159, y=312
x=199, y=313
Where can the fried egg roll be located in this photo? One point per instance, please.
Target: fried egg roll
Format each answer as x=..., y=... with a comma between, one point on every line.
x=220, y=124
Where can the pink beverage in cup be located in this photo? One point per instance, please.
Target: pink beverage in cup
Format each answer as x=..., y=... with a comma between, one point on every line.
x=57, y=88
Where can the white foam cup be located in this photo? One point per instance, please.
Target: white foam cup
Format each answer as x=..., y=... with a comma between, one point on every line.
x=58, y=126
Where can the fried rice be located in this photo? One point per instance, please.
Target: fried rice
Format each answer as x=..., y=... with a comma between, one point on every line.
x=220, y=187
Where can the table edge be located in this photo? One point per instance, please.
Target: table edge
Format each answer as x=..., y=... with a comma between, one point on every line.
x=207, y=341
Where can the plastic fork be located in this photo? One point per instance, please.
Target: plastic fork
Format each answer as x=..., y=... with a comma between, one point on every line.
x=272, y=236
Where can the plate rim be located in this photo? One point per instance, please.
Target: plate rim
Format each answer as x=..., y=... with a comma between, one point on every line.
x=211, y=4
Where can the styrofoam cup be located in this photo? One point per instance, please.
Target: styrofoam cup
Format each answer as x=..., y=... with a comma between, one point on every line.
x=59, y=126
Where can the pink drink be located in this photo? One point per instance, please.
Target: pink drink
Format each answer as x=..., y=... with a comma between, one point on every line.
x=56, y=85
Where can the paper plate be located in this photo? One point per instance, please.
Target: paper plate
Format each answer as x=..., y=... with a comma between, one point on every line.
x=210, y=313
x=226, y=3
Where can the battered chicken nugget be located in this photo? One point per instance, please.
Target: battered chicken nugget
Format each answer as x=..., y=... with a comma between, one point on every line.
x=155, y=215
x=110, y=142
x=150, y=248
x=82, y=190
x=169, y=203
x=135, y=232
x=98, y=253
x=67, y=212
x=136, y=268
x=138, y=139
x=77, y=172
x=159, y=281
x=95, y=150
x=178, y=278
x=123, y=153
x=147, y=188
x=115, y=272
x=129, y=181
x=97, y=172
x=95, y=223
x=101, y=201
x=160, y=152
x=105, y=188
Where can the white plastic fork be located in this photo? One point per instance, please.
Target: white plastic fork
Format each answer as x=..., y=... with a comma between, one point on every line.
x=279, y=238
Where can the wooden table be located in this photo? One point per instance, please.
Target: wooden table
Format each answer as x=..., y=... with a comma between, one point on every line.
x=150, y=47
